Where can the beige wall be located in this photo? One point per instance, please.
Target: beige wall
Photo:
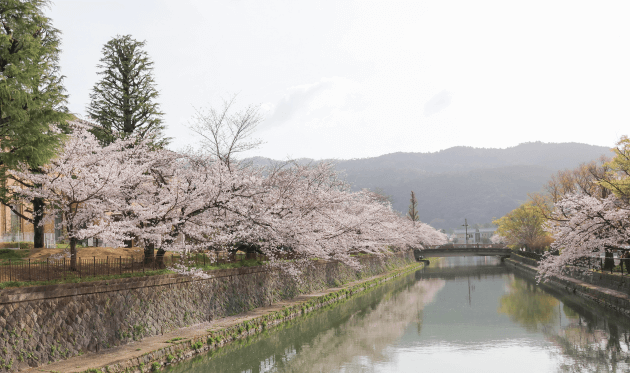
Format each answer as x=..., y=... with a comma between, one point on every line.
x=25, y=226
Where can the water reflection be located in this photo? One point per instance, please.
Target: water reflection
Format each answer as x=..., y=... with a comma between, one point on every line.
x=463, y=314
x=366, y=334
x=326, y=340
x=591, y=340
x=526, y=304
x=586, y=338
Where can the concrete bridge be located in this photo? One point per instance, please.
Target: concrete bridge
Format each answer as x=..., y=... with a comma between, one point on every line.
x=462, y=250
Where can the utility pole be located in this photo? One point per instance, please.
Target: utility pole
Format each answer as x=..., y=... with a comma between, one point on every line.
x=466, y=227
x=471, y=288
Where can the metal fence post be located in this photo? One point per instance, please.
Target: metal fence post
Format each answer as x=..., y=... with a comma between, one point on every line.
x=120, y=264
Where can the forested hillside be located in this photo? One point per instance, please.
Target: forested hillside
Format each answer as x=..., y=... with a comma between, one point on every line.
x=464, y=182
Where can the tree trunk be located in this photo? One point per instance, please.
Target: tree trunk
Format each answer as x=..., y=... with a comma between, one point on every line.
x=609, y=261
x=159, y=257
x=149, y=249
x=73, y=254
x=38, y=226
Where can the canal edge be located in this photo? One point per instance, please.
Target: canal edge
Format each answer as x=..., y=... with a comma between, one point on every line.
x=181, y=349
x=602, y=296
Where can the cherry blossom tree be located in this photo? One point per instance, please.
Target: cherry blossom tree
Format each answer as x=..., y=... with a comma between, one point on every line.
x=291, y=213
x=497, y=239
x=301, y=212
x=82, y=184
x=592, y=217
x=590, y=225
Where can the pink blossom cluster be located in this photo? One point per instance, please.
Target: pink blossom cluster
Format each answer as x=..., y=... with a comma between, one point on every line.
x=192, y=202
x=497, y=239
x=583, y=226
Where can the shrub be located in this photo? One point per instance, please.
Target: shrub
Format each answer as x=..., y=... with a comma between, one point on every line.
x=12, y=254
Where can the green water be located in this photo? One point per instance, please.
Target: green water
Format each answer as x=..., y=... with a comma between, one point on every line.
x=461, y=315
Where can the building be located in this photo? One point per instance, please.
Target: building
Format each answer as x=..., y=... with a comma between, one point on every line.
x=15, y=229
x=480, y=235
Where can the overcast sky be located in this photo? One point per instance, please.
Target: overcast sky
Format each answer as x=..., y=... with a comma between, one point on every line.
x=353, y=79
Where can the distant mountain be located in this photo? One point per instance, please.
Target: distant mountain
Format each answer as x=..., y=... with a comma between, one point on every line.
x=464, y=182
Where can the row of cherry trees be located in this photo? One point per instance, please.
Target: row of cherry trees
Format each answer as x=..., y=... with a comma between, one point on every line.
x=130, y=190
x=587, y=211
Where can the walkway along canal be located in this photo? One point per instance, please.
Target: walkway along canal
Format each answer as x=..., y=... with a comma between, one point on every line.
x=458, y=315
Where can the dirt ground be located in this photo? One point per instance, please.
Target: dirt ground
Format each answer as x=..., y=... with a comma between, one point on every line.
x=89, y=252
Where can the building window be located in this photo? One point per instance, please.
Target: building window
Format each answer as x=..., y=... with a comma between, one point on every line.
x=15, y=223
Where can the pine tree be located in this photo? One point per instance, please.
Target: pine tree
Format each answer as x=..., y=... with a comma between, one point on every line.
x=123, y=101
x=32, y=96
x=413, y=208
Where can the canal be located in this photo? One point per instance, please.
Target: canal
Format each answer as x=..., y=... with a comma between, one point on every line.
x=458, y=315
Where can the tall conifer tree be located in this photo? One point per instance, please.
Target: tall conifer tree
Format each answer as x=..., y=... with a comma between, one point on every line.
x=413, y=209
x=123, y=101
x=32, y=96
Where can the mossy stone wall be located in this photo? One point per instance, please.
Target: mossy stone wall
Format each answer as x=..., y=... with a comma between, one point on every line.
x=39, y=325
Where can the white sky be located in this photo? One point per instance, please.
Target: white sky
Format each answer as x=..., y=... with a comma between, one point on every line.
x=352, y=79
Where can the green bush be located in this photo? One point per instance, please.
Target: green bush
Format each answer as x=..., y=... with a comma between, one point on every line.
x=13, y=254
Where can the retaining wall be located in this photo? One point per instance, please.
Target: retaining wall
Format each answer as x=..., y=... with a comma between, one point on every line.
x=596, y=291
x=610, y=281
x=524, y=260
x=39, y=325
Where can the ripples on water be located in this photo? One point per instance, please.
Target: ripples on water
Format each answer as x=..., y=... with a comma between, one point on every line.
x=458, y=315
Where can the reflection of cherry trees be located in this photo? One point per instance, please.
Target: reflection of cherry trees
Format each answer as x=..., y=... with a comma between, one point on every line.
x=528, y=305
x=587, y=341
x=367, y=334
x=592, y=344
x=325, y=341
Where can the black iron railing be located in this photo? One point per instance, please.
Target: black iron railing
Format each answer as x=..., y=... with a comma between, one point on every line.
x=27, y=270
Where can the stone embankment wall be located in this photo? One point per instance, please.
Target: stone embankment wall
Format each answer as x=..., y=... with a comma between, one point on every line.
x=39, y=325
x=610, y=281
x=524, y=260
x=608, y=291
